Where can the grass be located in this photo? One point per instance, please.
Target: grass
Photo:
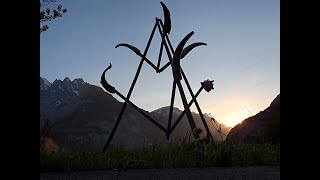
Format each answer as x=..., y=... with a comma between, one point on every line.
x=182, y=154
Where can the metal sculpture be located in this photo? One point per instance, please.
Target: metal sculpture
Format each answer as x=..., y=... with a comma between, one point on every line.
x=174, y=57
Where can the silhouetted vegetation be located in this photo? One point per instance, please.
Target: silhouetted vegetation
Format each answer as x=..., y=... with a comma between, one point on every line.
x=183, y=154
x=47, y=144
x=49, y=14
x=44, y=133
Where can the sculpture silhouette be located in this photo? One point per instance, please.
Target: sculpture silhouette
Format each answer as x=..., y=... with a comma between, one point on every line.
x=174, y=57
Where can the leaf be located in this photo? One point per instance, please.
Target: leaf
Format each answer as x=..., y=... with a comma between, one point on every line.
x=48, y=11
x=42, y=15
x=55, y=13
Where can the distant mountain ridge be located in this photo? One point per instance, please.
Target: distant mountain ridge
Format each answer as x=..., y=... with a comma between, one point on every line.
x=83, y=115
x=162, y=114
x=262, y=127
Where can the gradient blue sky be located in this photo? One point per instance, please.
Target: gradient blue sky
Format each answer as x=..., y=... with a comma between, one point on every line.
x=242, y=55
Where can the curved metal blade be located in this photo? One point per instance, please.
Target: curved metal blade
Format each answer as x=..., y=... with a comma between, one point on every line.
x=186, y=50
x=167, y=19
x=104, y=82
x=134, y=49
x=176, y=57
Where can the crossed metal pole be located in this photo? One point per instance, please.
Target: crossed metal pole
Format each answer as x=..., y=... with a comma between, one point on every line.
x=178, y=75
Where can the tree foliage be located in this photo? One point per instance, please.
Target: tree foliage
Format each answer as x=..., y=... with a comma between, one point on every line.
x=49, y=13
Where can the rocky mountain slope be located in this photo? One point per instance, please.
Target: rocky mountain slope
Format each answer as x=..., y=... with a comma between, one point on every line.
x=262, y=127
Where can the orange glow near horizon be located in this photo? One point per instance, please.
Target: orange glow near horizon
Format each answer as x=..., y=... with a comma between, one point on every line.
x=233, y=119
x=229, y=114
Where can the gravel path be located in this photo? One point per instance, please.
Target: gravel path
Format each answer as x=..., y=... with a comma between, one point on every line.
x=227, y=173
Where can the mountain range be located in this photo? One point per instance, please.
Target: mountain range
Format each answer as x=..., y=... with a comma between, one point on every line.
x=83, y=116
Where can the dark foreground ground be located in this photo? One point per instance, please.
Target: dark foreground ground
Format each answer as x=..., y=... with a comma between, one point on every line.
x=227, y=173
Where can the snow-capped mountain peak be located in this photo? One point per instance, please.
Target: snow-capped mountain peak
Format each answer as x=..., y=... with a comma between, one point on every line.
x=164, y=111
x=66, y=86
x=44, y=84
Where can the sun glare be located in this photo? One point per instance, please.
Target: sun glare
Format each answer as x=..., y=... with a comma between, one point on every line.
x=234, y=119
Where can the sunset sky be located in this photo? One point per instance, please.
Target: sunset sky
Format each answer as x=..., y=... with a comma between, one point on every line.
x=242, y=55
